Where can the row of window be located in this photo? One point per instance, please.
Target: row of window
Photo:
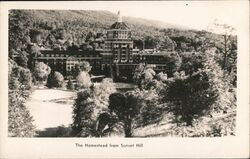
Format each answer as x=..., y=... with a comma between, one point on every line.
x=122, y=46
x=66, y=55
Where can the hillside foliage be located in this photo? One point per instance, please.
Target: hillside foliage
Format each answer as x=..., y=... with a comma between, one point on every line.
x=200, y=81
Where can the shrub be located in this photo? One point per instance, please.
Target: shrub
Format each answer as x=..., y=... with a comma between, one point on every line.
x=55, y=79
x=83, y=80
x=70, y=85
x=41, y=72
x=82, y=66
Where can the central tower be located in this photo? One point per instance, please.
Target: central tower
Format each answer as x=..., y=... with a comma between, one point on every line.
x=119, y=41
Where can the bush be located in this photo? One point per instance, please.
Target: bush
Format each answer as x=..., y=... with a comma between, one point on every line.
x=41, y=72
x=55, y=79
x=83, y=80
x=70, y=85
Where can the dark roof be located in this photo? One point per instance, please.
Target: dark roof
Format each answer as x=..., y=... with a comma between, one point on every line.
x=162, y=53
x=70, y=52
x=119, y=25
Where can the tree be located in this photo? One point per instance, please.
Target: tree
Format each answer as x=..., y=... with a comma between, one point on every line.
x=173, y=62
x=105, y=124
x=22, y=59
x=126, y=107
x=83, y=80
x=220, y=83
x=162, y=77
x=20, y=122
x=35, y=36
x=90, y=36
x=190, y=97
x=70, y=85
x=19, y=24
x=143, y=76
x=41, y=72
x=151, y=111
x=168, y=44
x=103, y=91
x=202, y=93
x=88, y=107
x=192, y=62
x=83, y=66
x=83, y=119
x=151, y=42
x=137, y=73
x=55, y=79
x=227, y=45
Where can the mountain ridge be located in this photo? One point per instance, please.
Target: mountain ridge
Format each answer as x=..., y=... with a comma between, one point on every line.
x=103, y=16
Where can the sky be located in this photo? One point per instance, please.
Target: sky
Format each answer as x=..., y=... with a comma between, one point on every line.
x=193, y=14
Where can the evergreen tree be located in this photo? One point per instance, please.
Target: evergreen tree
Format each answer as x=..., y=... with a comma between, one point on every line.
x=19, y=119
x=83, y=111
x=90, y=103
x=126, y=107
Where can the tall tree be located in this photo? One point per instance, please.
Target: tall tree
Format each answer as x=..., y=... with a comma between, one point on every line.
x=89, y=105
x=126, y=107
x=19, y=24
x=83, y=114
x=227, y=45
x=143, y=76
x=20, y=122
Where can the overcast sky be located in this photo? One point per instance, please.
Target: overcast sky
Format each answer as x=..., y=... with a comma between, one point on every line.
x=193, y=14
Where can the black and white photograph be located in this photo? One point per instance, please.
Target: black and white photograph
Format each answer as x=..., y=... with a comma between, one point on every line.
x=95, y=73
x=124, y=70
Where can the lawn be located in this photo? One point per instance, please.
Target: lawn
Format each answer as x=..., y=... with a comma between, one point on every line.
x=51, y=107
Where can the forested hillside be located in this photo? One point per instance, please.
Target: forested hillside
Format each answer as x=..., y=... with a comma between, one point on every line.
x=200, y=80
x=81, y=29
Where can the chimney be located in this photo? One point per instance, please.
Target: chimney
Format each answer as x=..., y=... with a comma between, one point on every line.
x=119, y=17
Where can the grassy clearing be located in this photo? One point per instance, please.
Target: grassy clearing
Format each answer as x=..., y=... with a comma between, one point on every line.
x=51, y=107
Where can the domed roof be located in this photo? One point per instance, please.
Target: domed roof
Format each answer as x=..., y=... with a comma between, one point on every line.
x=119, y=25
